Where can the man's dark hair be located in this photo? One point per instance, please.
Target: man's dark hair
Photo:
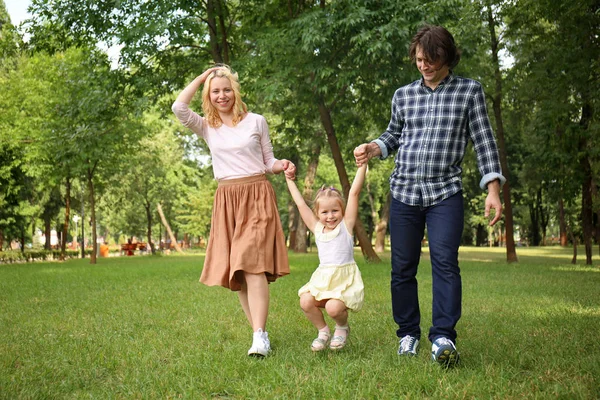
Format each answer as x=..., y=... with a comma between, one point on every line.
x=437, y=45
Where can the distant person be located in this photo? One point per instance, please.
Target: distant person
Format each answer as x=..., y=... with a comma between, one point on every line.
x=336, y=285
x=130, y=247
x=432, y=121
x=246, y=248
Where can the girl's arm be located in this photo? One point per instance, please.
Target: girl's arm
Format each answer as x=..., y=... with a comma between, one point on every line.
x=353, y=197
x=306, y=213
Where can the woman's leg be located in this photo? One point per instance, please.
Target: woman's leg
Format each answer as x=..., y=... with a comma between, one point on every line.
x=243, y=296
x=257, y=288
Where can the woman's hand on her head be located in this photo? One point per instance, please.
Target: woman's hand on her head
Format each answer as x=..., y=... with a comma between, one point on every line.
x=206, y=73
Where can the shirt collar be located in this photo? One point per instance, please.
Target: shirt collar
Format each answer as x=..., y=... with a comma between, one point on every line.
x=444, y=81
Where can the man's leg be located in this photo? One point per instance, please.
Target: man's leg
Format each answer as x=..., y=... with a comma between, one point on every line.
x=407, y=226
x=445, y=223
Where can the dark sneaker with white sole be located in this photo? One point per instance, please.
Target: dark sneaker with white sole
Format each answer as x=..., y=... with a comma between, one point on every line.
x=443, y=351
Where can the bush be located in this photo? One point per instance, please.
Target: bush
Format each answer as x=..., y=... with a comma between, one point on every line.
x=16, y=256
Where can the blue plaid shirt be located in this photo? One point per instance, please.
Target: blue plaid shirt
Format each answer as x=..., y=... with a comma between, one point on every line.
x=431, y=129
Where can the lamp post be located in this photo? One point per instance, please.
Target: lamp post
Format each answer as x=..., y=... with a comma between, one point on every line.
x=76, y=219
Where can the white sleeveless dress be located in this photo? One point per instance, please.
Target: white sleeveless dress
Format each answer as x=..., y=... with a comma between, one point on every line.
x=337, y=276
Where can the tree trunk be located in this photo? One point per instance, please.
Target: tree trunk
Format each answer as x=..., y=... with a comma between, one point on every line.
x=363, y=239
x=586, y=202
x=92, y=215
x=168, y=228
x=535, y=223
x=22, y=240
x=218, y=46
x=67, y=217
x=293, y=220
x=47, y=233
x=374, y=213
x=149, y=227
x=564, y=241
x=382, y=224
x=511, y=251
x=574, y=240
x=82, y=224
x=309, y=181
x=543, y=215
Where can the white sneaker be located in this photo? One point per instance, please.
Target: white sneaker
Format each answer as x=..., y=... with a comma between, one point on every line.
x=408, y=346
x=260, y=344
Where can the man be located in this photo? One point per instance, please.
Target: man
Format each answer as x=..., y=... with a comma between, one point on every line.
x=432, y=121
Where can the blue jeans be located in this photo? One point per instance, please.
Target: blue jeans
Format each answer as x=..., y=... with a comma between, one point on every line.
x=444, y=222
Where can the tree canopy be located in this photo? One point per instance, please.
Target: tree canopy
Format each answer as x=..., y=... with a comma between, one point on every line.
x=323, y=73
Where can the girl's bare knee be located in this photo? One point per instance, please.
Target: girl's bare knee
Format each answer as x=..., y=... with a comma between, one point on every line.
x=307, y=302
x=335, y=308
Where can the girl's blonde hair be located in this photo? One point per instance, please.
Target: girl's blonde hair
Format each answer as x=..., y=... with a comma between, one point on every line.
x=328, y=192
x=239, y=107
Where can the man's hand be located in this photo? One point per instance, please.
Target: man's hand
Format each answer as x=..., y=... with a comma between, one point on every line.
x=493, y=201
x=366, y=151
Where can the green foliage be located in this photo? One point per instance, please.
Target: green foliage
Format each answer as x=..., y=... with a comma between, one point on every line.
x=163, y=43
x=64, y=110
x=11, y=257
x=195, y=211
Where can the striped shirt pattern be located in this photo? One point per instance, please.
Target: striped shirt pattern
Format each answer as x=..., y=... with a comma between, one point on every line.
x=430, y=130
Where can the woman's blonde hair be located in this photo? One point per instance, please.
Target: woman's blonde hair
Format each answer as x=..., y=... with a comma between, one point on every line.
x=239, y=107
x=328, y=192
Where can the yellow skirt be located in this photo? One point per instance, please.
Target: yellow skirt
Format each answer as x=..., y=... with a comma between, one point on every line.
x=340, y=282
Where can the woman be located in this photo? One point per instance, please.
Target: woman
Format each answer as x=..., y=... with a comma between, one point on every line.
x=246, y=248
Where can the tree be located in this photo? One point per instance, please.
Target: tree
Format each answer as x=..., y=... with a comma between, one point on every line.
x=155, y=172
x=77, y=127
x=556, y=47
x=332, y=61
x=161, y=43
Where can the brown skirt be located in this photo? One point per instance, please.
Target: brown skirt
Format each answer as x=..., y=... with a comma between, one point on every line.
x=245, y=234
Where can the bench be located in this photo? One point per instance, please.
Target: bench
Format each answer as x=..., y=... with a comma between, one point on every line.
x=130, y=248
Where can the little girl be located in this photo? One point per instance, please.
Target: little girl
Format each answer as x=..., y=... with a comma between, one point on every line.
x=336, y=285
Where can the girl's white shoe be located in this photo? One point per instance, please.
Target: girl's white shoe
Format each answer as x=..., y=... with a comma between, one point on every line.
x=338, y=342
x=320, y=343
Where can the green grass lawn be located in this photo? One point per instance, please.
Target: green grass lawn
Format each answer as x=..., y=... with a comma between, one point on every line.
x=143, y=327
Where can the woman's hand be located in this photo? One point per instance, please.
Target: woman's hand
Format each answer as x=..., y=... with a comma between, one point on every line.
x=190, y=90
x=202, y=77
x=289, y=169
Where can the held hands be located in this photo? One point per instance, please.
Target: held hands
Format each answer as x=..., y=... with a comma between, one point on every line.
x=289, y=169
x=364, y=152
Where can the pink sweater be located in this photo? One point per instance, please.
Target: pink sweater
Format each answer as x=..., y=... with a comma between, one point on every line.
x=237, y=152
